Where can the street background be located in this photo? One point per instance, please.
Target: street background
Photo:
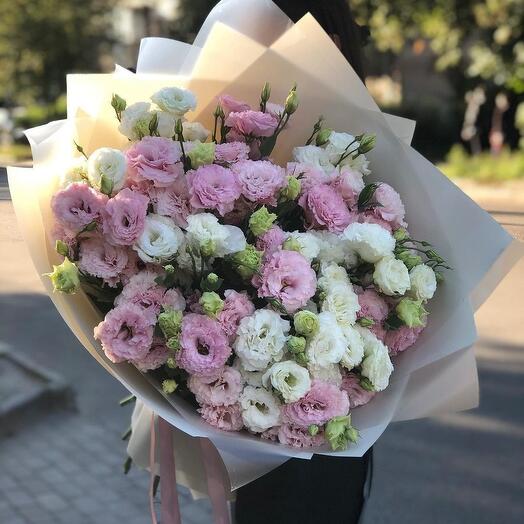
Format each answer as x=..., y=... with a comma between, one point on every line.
x=457, y=67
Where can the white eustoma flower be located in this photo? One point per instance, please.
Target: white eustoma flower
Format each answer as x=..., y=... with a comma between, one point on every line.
x=371, y=241
x=328, y=345
x=106, y=170
x=359, y=163
x=289, y=378
x=160, y=240
x=76, y=171
x=175, y=100
x=376, y=365
x=334, y=248
x=315, y=157
x=251, y=378
x=340, y=144
x=332, y=275
x=330, y=374
x=261, y=339
x=343, y=302
x=423, y=282
x=166, y=124
x=260, y=409
x=134, y=117
x=355, y=348
x=308, y=244
x=204, y=229
x=194, y=131
x=391, y=276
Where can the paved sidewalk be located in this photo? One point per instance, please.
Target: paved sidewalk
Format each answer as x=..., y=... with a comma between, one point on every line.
x=67, y=470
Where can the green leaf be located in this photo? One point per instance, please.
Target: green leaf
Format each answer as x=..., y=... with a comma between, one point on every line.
x=366, y=196
x=267, y=145
x=393, y=322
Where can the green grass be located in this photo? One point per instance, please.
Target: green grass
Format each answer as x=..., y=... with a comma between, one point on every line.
x=485, y=167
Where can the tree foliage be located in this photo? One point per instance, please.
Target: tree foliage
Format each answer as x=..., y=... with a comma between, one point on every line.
x=482, y=38
x=41, y=40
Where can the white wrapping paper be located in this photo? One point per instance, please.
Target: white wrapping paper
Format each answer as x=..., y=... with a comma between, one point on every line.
x=270, y=48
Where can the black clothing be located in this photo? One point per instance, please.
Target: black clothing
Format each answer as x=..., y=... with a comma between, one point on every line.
x=323, y=490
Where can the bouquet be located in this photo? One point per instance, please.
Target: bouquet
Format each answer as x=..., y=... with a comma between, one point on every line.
x=272, y=297
x=247, y=269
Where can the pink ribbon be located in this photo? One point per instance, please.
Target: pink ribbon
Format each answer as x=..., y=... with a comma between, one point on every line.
x=215, y=481
x=170, y=510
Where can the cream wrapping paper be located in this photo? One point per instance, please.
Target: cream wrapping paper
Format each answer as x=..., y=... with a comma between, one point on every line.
x=438, y=210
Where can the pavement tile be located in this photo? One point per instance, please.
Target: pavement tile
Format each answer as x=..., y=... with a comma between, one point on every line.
x=52, y=502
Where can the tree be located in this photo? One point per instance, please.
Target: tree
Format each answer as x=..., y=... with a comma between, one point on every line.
x=477, y=43
x=43, y=40
x=190, y=16
x=484, y=38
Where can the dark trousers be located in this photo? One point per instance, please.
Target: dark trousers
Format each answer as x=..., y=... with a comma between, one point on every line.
x=326, y=490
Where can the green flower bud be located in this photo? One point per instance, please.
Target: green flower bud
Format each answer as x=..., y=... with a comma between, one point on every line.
x=118, y=103
x=171, y=363
x=62, y=248
x=292, y=244
x=65, y=277
x=296, y=344
x=301, y=359
x=439, y=276
x=313, y=429
x=410, y=260
x=292, y=190
x=211, y=303
x=261, y=220
x=202, y=154
x=306, y=323
x=208, y=248
x=365, y=322
x=174, y=343
x=169, y=386
x=367, y=143
x=323, y=136
x=170, y=322
x=212, y=282
x=266, y=93
x=339, y=432
x=247, y=262
x=400, y=234
x=218, y=111
x=291, y=104
x=212, y=278
x=106, y=185
x=411, y=312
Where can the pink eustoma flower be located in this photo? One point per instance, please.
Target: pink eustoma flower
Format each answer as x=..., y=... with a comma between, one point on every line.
x=213, y=187
x=321, y=403
x=126, y=333
x=287, y=277
x=204, y=347
x=155, y=160
x=78, y=205
x=325, y=209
